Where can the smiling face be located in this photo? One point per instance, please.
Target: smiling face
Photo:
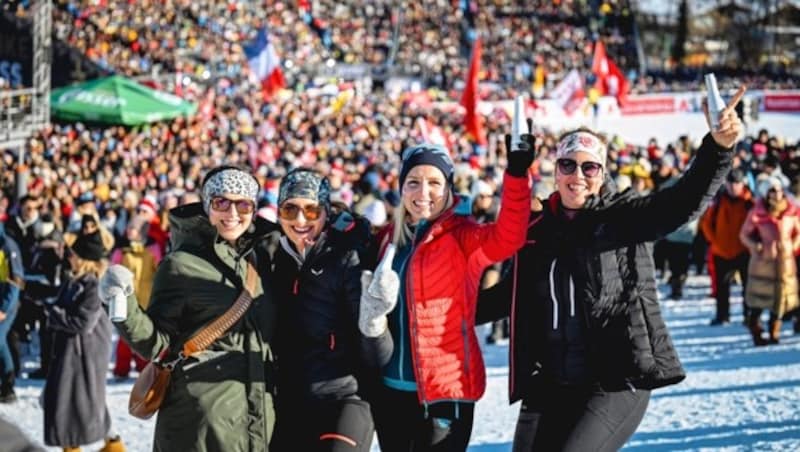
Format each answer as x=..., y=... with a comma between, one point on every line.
x=301, y=230
x=231, y=223
x=424, y=193
x=576, y=188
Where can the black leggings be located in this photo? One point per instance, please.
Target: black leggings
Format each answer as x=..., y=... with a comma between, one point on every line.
x=324, y=426
x=579, y=418
x=403, y=426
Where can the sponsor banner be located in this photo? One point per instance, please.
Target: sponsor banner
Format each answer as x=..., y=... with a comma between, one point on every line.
x=781, y=101
x=648, y=105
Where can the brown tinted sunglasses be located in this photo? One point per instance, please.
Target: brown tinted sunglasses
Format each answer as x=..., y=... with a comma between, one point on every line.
x=289, y=211
x=243, y=206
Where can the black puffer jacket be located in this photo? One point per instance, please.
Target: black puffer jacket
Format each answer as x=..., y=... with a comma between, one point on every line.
x=596, y=271
x=320, y=350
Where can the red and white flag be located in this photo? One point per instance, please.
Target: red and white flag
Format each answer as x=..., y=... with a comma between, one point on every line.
x=431, y=133
x=610, y=79
x=569, y=93
x=265, y=63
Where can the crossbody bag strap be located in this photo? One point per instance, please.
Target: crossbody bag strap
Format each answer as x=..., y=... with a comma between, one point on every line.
x=211, y=332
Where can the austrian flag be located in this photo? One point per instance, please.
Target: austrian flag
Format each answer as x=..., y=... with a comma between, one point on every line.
x=265, y=64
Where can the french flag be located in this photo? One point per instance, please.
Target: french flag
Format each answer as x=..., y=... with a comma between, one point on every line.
x=265, y=64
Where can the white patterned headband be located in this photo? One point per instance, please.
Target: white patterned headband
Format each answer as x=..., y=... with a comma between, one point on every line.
x=582, y=141
x=230, y=181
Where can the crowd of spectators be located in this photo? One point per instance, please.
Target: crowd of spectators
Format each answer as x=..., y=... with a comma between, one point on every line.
x=355, y=136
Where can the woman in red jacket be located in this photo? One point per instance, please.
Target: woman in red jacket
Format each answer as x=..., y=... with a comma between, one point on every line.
x=436, y=372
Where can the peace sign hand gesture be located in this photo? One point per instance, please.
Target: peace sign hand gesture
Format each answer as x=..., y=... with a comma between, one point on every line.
x=730, y=126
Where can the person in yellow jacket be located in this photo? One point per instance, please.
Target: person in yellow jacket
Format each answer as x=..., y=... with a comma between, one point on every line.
x=142, y=261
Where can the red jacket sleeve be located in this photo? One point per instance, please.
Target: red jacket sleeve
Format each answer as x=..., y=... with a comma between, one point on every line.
x=500, y=240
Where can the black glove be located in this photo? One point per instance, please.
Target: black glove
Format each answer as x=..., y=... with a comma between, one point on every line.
x=519, y=160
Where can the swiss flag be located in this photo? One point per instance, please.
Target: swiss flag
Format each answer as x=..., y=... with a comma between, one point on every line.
x=610, y=80
x=469, y=98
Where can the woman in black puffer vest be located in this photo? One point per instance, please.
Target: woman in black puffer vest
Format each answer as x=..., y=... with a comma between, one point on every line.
x=588, y=342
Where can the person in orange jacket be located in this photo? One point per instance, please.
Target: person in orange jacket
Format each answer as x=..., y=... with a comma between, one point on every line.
x=721, y=224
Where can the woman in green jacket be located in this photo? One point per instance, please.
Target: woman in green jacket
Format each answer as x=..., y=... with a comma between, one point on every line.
x=220, y=398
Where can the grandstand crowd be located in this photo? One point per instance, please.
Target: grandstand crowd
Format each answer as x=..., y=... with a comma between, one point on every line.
x=354, y=137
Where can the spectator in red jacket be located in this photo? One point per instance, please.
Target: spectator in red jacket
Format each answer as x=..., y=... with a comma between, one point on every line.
x=436, y=372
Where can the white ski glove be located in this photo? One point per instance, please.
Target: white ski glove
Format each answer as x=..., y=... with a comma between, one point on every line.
x=116, y=278
x=379, y=292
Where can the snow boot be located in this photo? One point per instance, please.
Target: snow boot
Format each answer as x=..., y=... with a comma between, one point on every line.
x=775, y=331
x=113, y=445
x=7, y=394
x=755, y=329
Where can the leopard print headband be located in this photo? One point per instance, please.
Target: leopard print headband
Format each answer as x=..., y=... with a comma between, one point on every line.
x=230, y=181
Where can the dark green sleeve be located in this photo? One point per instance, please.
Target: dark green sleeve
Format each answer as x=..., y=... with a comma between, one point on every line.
x=148, y=333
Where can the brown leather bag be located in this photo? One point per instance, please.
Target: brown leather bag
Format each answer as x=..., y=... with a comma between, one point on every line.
x=151, y=386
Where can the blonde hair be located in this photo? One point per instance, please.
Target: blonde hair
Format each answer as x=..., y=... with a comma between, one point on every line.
x=401, y=232
x=85, y=266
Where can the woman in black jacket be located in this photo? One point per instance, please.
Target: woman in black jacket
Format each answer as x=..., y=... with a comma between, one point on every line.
x=320, y=351
x=587, y=339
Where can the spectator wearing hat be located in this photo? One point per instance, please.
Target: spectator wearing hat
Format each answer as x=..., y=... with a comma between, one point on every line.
x=771, y=233
x=321, y=354
x=721, y=224
x=86, y=216
x=214, y=243
x=588, y=343
x=436, y=373
x=75, y=411
x=157, y=232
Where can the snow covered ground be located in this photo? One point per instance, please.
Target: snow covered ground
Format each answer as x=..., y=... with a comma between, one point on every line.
x=735, y=398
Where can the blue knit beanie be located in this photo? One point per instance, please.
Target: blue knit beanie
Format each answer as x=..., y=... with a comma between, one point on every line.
x=427, y=154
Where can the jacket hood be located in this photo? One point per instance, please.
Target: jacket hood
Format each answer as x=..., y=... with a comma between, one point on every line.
x=189, y=227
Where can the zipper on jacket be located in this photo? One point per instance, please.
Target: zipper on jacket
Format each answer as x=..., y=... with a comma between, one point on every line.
x=512, y=329
x=401, y=314
x=412, y=320
x=553, y=294
x=465, y=337
x=571, y=297
x=296, y=286
x=332, y=341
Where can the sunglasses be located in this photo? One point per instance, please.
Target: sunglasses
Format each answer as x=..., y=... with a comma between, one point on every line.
x=289, y=211
x=243, y=206
x=589, y=169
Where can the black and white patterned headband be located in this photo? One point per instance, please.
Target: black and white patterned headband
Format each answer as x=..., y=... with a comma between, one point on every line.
x=231, y=181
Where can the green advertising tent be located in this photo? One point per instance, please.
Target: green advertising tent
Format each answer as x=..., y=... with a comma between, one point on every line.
x=116, y=100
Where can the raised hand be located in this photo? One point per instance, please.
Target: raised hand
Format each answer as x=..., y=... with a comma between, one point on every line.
x=379, y=292
x=116, y=278
x=730, y=126
x=520, y=159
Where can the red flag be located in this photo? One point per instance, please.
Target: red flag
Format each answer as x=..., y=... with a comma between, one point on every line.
x=469, y=98
x=610, y=79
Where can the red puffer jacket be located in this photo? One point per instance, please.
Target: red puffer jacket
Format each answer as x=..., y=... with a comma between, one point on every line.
x=442, y=285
